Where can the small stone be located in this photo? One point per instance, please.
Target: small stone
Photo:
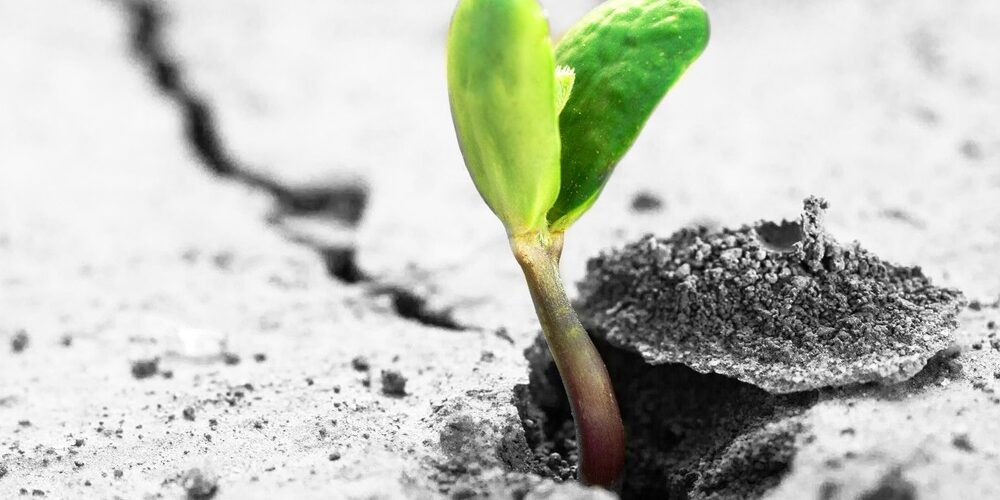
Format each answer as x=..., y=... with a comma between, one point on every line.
x=393, y=383
x=19, y=342
x=961, y=441
x=145, y=368
x=646, y=201
x=118, y=473
x=230, y=358
x=333, y=456
x=260, y=357
x=360, y=363
x=188, y=413
x=198, y=485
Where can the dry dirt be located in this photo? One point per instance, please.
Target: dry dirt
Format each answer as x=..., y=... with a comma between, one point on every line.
x=240, y=256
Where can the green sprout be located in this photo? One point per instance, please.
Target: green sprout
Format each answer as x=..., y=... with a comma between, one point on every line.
x=541, y=129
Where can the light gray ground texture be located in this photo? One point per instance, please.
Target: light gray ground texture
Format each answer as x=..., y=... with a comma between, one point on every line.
x=119, y=244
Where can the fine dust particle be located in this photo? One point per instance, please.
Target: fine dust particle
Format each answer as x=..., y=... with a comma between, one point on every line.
x=393, y=383
x=145, y=368
x=19, y=342
x=360, y=363
x=260, y=357
x=646, y=202
x=199, y=485
x=188, y=413
x=66, y=340
x=230, y=358
x=118, y=473
x=780, y=305
x=3, y=471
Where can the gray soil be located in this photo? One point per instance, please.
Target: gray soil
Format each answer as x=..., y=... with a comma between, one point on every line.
x=222, y=222
x=783, y=306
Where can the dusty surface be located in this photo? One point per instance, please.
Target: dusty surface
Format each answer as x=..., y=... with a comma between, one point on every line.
x=783, y=306
x=281, y=185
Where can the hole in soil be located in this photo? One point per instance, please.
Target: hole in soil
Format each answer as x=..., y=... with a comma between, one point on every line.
x=409, y=305
x=780, y=237
x=689, y=434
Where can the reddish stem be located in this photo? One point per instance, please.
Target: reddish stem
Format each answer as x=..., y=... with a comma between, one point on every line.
x=600, y=435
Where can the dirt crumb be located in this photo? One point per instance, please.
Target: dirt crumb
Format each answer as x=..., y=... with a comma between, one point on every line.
x=645, y=201
x=892, y=487
x=780, y=305
x=393, y=383
x=19, y=342
x=962, y=442
x=360, y=363
x=145, y=368
x=199, y=485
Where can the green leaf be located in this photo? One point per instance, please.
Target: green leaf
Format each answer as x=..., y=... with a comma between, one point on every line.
x=627, y=54
x=502, y=85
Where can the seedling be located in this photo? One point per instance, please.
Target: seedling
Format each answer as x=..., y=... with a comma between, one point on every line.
x=541, y=129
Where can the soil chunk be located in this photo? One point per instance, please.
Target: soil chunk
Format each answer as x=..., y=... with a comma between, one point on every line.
x=145, y=368
x=393, y=383
x=783, y=306
x=19, y=342
x=198, y=485
x=360, y=363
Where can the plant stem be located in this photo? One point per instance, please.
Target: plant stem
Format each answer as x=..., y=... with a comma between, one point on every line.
x=600, y=435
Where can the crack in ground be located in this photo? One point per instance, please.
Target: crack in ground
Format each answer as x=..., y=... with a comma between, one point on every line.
x=344, y=203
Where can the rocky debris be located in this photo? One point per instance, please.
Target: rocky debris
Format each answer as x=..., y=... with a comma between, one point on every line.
x=782, y=306
x=145, y=368
x=393, y=383
x=198, y=485
x=19, y=342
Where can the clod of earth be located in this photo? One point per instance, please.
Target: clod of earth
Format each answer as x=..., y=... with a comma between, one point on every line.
x=145, y=368
x=19, y=342
x=393, y=383
x=199, y=485
x=782, y=306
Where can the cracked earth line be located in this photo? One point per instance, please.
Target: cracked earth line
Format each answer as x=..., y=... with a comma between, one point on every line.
x=346, y=203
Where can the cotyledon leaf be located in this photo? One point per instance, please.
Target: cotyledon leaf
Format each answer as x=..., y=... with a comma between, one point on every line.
x=503, y=91
x=626, y=54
